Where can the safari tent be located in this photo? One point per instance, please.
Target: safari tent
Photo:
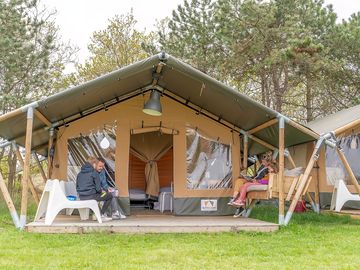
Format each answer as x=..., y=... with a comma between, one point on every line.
x=194, y=144
x=345, y=125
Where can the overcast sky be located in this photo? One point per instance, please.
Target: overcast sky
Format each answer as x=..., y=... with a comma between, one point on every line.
x=78, y=19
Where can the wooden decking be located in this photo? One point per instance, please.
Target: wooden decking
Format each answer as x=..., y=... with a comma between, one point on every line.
x=154, y=224
x=354, y=214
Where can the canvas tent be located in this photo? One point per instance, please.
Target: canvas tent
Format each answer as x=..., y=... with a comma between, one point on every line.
x=346, y=125
x=213, y=128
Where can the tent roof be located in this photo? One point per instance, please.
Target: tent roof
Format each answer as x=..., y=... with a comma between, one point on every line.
x=177, y=78
x=336, y=120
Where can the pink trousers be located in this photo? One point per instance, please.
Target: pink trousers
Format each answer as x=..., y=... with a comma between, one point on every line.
x=243, y=190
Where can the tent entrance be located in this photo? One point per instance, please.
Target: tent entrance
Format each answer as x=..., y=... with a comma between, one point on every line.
x=150, y=171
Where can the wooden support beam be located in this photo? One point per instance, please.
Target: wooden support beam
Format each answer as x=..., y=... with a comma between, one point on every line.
x=26, y=172
x=348, y=169
x=50, y=146
x=281, y=170
x=246, y=152
x=317, y=190
x=11, y=114
x=164, y=130
x=262, y=126
x=303, y=181
x=42, y=118
x=351, y=125
x=289, y=157
x=41, y=169
x=31, y=184
x=303, y=129
x=158, y=72
x=263, y=143
x=241, y=162
x=9, y=202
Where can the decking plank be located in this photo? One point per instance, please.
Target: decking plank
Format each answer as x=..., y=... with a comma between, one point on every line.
x=154, y=224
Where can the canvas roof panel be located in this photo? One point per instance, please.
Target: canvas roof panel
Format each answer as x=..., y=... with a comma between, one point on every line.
x=177, y=77
x=336, y=120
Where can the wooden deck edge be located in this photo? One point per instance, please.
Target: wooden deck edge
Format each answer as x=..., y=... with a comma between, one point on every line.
x=148, y=229
x=352, y=215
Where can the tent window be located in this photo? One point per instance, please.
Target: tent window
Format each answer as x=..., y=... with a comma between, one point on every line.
x=80, y=148
x=208, y=162
x=335, y=169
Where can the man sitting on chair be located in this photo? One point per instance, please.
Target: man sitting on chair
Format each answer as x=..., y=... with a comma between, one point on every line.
x=89, y=188
x=100, y=168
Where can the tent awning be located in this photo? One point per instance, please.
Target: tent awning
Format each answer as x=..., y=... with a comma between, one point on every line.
x=336, y=121
x=177, y=78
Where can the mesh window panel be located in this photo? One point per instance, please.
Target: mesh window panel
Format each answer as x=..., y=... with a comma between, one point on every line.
x=335, y=170
x=208, y=162
x=80, y=148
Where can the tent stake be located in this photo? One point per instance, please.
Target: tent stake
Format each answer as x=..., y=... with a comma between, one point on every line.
x=9, y=202
x=26, y=172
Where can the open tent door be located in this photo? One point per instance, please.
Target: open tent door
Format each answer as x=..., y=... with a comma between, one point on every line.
x=151, y=167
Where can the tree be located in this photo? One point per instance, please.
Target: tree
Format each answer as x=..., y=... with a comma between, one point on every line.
x=118, y=45
x=32, y=58
x=191, y=34
x=282, y=53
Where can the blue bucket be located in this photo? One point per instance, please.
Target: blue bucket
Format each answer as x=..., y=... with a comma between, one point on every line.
x=71, y=198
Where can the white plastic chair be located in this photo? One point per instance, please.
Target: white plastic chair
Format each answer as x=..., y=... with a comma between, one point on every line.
x=53, y=200
x=166, y=201
x=341, y=195
x=69, y=189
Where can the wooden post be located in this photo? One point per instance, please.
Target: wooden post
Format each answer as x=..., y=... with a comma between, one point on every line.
x=240, y=155
x=9, y=202
x=348, y=169
x=303, y=181
x=246, y=152
x=281, y=169
x=50, y=145
x=43, y=175
x=26, y=171
x=31, y=184
x=317, y=190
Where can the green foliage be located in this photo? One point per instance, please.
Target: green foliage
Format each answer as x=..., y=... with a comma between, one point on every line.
x=31, y=56
x=119, y=45
x=288, y=54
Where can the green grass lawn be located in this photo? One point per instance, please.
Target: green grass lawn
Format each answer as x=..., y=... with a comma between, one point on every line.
x=311, y=242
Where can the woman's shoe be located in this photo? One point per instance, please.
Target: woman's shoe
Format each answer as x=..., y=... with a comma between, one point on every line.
x=231, y=201
x=238, y=204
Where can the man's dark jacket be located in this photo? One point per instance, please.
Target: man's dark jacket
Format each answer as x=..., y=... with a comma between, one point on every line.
x=88, y=181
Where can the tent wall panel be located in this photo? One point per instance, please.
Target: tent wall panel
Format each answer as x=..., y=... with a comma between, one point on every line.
x=192, y=207
x=136, y=173
x=128, y=115
x=166, y=169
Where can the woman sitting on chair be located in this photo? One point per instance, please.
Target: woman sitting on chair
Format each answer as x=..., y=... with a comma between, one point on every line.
x=260, y=173
x=240, y=200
